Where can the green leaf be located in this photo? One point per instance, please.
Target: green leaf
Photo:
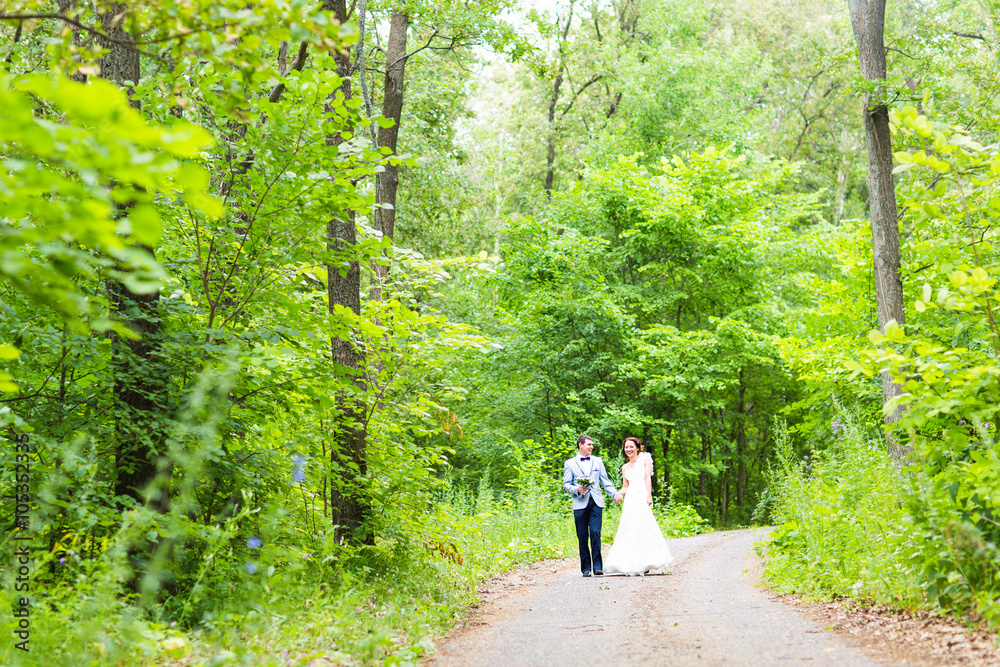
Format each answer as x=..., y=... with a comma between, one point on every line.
x=146, y=226
x=876, y=337
x=6, y=383
x=857, y=368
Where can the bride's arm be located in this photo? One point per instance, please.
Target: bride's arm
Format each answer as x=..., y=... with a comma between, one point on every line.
x=621, y=492
x=649, y=481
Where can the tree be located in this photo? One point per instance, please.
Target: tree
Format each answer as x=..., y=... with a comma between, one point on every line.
x=803, y=113
x=349, y=509
x=868, y=21
x=447, y=31
x=387, y=182
x=140, y=390
x=623, y=19
x=550, y=144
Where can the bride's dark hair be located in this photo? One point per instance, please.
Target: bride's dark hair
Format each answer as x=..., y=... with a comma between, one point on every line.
x=638, y=446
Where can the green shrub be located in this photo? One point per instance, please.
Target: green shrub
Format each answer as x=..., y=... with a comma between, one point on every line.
x=678, y=520
x=852, y=523
x=304, y=595
x=842, y=525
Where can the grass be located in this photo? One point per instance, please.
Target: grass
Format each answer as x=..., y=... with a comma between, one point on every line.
x=843, y=529
x=385, y=606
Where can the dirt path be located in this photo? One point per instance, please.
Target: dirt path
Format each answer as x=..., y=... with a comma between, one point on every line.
x=709, y=610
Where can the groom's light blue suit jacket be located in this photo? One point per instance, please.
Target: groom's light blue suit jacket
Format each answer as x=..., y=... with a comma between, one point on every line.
x=574, y=468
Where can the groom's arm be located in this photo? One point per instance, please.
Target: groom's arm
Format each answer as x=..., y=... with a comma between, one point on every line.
x=606, y=481
x=569, y=484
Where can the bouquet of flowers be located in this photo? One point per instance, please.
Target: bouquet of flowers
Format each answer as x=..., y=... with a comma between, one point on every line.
x=585, y=482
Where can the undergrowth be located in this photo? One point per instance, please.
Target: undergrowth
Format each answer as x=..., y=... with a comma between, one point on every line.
x=851, y=523
x=279, y=601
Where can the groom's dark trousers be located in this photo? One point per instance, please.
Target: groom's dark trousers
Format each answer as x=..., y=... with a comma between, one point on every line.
x=588, y=528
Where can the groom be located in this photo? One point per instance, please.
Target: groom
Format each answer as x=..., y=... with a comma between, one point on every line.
x=588, y=505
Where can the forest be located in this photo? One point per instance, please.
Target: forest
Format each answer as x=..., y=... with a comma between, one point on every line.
x=303, y=305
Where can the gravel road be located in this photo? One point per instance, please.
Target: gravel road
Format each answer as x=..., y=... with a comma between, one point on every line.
x=708, y=610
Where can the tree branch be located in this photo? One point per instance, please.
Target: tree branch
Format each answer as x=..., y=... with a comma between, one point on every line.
x=369, y=108
x=17, y=38
x=42, y=386
x=240, y=397
x=594, y=79
x=968, y=35
x=300, y=62
x=104, y=36
x=389, y=66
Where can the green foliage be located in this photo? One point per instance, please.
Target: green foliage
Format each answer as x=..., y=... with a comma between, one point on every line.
x=648, y=304
x=842, y=525
x=296, y=590
x=946, y=361
x=101, y=157
x=680, y=520
x=828, y=329
x=247, y=397
x=935, y=512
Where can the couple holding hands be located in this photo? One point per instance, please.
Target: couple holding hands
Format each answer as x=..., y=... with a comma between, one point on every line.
x=639, y=546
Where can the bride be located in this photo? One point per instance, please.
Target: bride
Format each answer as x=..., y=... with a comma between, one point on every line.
x=639, y=546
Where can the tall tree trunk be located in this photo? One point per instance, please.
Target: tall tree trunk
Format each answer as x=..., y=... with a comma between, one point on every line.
x=387, y=182
x=550, y=154
x=141, y=399
x=121, y=63
x=741, y=444
x=348, y=457
x=868, y=20
x=727, y=460
x=665, y=475
x=703, y=458
x=140, y=391
x=724, y=493
x=654, y=480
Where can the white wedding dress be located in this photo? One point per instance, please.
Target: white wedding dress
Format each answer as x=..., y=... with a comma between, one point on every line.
x=639, y=546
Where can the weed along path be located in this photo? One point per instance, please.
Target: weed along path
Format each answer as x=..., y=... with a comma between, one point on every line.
x=707, y=611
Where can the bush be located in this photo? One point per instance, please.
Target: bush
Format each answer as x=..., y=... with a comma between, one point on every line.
x=853, y=523
x=678, y=520
x=842, y=525
x=292, y=596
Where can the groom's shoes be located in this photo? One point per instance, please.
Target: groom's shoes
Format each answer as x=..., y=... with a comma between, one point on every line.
x=599, y=573
x=587, y=573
